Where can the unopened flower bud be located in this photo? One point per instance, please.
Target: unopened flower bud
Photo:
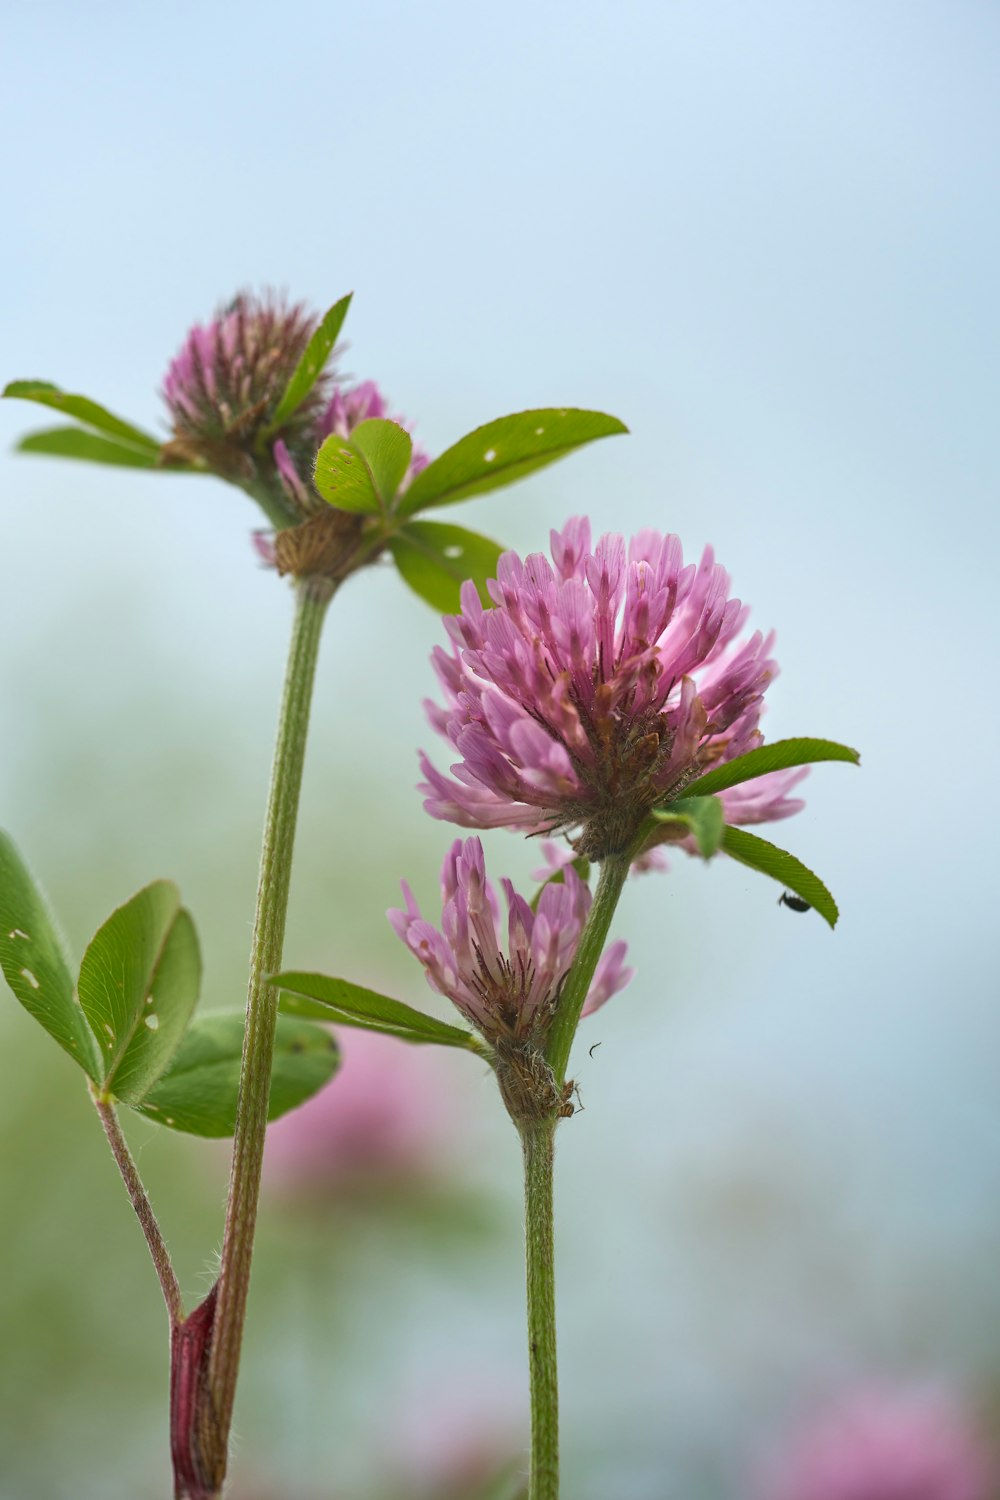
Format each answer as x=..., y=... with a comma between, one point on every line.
x=224, y=387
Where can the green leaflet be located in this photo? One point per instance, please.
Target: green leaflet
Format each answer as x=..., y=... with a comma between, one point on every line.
x=344, y=478
x=320, y=998
x=758, y=854
x=197, y=1093
x=310, y=366
x=86, y=411
x=435, y=560
x=780, y=755
x=503, y=451
x=387, y=448
x=90, y=447
x=138, y=987
x=34, y=964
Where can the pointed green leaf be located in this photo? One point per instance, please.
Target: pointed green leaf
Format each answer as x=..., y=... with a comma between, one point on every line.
x=387, y=448
x=138, y=987
x=86, y=411
x=781, y=866
x=310, y=366
x=503, y=451
x=435, y=560
x=702, y=816
x=343, y=477
x=91, y=447
x=780, y=755
x=33, y=961
x=198, y=1091
x=337, y=1000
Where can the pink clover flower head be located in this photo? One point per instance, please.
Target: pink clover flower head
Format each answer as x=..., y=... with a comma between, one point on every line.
x=506, y=989
x=348, y=408
x=599, y=684
x=884, y=1445
x=223, y=387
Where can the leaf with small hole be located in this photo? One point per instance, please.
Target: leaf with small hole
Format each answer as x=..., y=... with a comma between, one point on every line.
x=344, y=478
x=34, y=963
x=138, y=987
x=436, y=559
x=503, y=451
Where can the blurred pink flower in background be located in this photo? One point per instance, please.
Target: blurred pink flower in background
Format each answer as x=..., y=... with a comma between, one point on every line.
x=390, y=1112
x=452, y=1442
x=884, y=1444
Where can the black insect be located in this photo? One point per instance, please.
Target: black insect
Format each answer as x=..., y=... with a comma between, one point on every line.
x=793, y=902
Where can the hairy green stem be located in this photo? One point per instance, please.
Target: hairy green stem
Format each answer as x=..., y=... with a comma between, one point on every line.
x=538, y=1141
x=143, y=1208
x=614, y=871
x=312, y=597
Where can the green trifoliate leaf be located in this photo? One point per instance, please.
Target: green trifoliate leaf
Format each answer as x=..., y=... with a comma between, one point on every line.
x=86, y=411
x=138, y=987
x=781, y=755
x=503, y=451
x=435, y=560
x=33, y=961
x=387, y=449
x=319, y=998
x=197, y=1093
x=343, y=477
x=91, y=447
x=310, y=366
x=702, y=816
x=758, y=854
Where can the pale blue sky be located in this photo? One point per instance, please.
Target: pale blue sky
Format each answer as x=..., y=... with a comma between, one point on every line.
x=765, y=235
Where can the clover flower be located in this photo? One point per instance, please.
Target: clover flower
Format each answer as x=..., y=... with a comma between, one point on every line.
x=884, y=1445
x=224, y=387
x=508, y=991
x=598, y=685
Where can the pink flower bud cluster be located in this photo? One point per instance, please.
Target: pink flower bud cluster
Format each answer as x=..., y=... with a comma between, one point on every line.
x=230, y=374
x=225, y=386
x=506, y=989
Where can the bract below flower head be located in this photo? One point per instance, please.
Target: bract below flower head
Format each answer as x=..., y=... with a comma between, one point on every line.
x=598, y=685
x=329, y=538
x=506, y=989
x=224, y=386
